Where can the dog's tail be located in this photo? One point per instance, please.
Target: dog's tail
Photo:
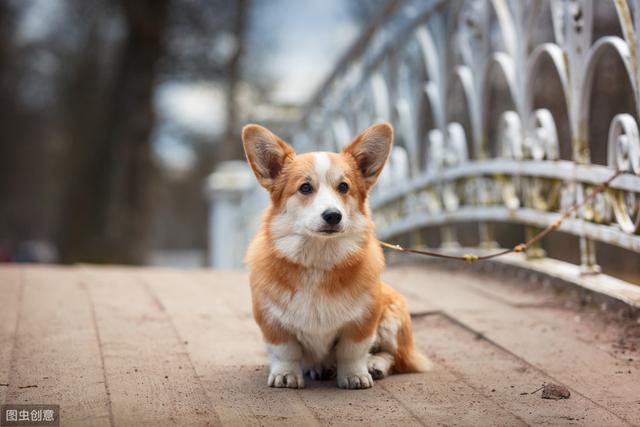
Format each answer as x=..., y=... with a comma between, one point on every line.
x=411, y=360
x=418, y=362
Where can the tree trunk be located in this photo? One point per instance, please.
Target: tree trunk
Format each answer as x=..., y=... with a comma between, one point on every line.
x=111, y=222
x=232, y=147
x=7, y=118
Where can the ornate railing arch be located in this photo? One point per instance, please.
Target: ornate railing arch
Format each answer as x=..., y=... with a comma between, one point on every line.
x=436, y=70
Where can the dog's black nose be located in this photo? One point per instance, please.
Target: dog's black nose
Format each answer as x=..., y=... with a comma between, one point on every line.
x=332, y=216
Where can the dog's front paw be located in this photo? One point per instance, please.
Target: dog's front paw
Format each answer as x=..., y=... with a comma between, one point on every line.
x=286, y=377
x=355, y=380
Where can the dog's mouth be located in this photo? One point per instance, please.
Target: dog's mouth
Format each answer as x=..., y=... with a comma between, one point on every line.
x=329, y=231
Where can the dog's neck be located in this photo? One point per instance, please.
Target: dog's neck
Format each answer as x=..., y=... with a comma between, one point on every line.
x=319, y=253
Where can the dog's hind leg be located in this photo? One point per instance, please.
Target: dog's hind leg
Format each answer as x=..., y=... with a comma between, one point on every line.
x=379, y=364
x=393, y=350
x=394, y=336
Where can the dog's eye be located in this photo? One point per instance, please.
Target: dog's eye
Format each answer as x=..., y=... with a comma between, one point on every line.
x=305, y=188
x=343, y=187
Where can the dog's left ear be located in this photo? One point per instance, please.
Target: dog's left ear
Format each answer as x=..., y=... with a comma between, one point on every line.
x=370, y=149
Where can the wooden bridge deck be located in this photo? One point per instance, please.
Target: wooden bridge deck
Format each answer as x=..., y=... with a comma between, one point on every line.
x=132, y=346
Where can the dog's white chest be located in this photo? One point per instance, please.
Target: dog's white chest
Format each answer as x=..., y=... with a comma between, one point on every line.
x=315, y=316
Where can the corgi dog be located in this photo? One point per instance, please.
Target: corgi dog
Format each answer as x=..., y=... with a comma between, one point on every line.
x=315, y=265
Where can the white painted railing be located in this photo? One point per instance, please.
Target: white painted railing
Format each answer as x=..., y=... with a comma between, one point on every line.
x=437, y=71
x=497, y=107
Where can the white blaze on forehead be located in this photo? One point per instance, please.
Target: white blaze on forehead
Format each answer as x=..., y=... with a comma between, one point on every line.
x=328, y=172
x=325, y=197
x=322, y=163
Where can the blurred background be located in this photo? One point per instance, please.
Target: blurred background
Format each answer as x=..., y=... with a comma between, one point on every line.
x=114, y=112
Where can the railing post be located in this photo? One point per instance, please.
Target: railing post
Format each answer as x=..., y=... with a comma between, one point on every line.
x=449, y=237
x=588, y=262
x=225, y=189
x=534, y=251
x=486, y=234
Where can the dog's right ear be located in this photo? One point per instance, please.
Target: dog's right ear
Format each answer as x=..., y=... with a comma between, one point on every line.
x=266, y=153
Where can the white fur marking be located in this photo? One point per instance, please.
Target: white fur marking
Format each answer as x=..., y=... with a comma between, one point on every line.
x=315, y=317
x=311, y=312
x=322, y=164
x=284, y=365
x=387, y=335
x=352, y=358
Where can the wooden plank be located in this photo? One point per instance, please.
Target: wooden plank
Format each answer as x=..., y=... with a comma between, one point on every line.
x=56, y=359
x=501, y=376
x=10, y=288
x=403, y=274
x=371, y=407
x=440, y=398
x=240, y=394
x=242, y=398
x=396, y=277
x=212, y=313
x=547, y=338
x=414, y=399
x=196, y=329
x=149, y=374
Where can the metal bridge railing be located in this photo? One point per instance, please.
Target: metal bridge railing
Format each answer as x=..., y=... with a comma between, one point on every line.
x=496, y=106
x=504, y=112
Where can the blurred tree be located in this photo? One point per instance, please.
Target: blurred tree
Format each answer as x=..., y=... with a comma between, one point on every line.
x=107, y=219
x=83, y=90
x=77, y=86
x=23, y=150
x=7, y=107
x=232, y=149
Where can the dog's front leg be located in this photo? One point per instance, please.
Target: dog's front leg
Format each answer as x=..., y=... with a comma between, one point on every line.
x=284, y=364
x=351, y=356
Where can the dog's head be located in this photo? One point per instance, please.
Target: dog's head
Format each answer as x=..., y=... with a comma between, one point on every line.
x=319, y=195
